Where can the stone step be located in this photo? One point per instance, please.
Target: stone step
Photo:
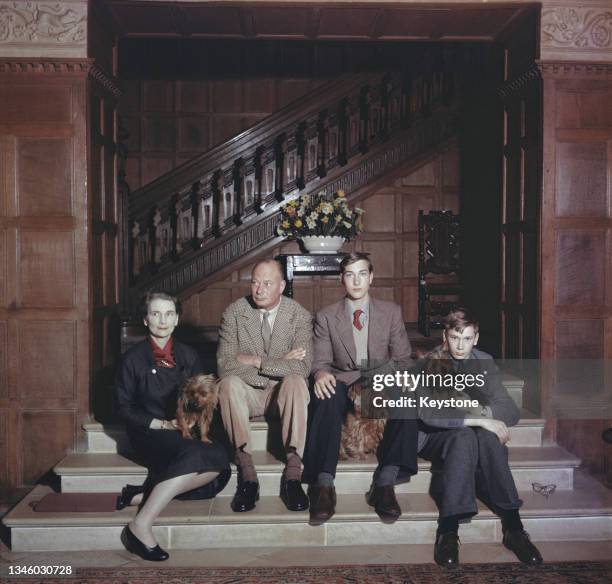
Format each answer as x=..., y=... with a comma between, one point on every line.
x=583, y=514
x=112, y=438
x=109, y=472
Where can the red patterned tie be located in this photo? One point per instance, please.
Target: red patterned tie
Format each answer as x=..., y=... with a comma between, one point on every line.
x=357, y=320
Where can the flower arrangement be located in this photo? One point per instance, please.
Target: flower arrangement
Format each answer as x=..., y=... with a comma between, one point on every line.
x=315, y=216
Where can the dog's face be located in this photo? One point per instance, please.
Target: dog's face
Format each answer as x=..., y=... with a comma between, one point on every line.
x=199, y=393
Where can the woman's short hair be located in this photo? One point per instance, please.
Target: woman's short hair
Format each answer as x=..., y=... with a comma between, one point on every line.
x=353, y=257
x=459, y=318
x=158, y=295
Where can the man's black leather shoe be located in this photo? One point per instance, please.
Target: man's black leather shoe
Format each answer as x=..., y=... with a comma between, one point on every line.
x=322, y=503
x=518, y=542
x=293, y=495
x=247, y=493
x=134, y=545
x=384, y=502
x=446, y=551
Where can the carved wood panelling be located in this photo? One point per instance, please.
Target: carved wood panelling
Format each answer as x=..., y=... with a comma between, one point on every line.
x=580, y=339
x=47, y=269
x=54, y=429
x=582, y=179
x=3, y=359
x=581, y=267
x=3, y=268
x=44, y=347
x=576, y=228
x=45, y=310
x=50, y=193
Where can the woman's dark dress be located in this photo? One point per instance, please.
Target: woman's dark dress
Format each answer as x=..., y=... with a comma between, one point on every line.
x=144, y=391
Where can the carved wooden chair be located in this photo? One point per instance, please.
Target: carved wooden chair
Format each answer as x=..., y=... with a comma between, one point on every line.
x=439, y=268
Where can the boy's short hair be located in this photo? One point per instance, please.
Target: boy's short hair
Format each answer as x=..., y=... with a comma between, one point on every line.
x=459, y=318
x=353, y=257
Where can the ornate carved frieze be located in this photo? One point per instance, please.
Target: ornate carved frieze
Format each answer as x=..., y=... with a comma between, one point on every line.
x=581, y=32
x=43, y=28
x=575, y=69
x=62, y=66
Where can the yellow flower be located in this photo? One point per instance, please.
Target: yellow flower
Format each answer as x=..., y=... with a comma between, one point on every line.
x=285, y=224
x=298, y=223
x=341, y=194
x=325, y=219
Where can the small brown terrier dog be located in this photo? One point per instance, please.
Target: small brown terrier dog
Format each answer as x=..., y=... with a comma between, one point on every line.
x=360, y=436
x=197, y=401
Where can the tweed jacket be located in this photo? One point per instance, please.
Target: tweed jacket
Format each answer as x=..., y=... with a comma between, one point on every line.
x=241, y=333
x=334, y=346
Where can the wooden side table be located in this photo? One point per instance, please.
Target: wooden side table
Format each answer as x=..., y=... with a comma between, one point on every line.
x=308, y=265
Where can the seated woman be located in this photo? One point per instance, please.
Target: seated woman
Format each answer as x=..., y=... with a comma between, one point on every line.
x=146, y=397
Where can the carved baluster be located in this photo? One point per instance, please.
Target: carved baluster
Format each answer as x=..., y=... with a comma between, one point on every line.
x=228, y=204
x=332, y=141
x=291, y=163
x=216, y=187
x=134, y=269
x=364, y=118
x=427, y=94
x=406, y=101
x=237, y=180
x=259, y=201
x=300, y=140
x=155, y=237
x=323, y=136
x=343, y=130
x=279, y=157
x=311, y=151
x=249, y=186
x=386, y=88
x=173, y=242
x=195, y=199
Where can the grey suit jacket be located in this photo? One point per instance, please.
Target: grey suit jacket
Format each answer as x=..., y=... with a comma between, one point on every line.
x=334, y=346
x=241, y=333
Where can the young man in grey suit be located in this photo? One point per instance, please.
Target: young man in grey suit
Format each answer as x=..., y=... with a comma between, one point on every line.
x=346, y=334
x=467, y=447
x=263, y=358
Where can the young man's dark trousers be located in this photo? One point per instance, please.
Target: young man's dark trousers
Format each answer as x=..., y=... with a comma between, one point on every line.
x=468, y=463
x=398, y=446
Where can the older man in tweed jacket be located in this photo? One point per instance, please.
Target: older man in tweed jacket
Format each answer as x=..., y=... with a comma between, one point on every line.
x=264, y=356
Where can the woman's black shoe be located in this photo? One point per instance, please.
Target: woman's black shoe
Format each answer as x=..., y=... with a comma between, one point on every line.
x=134, y=545
x=127, y=494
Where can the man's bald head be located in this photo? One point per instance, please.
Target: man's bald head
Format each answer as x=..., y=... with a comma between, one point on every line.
x=267, y=283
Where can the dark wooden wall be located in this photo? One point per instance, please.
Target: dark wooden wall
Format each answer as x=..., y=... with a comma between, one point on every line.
x=44, y=266
x=576, y=232
x=170, y=121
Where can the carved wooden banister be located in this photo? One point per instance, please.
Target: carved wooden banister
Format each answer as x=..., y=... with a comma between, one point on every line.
x=190, y=223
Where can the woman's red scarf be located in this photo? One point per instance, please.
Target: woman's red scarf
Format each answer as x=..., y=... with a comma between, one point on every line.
x=163, y=357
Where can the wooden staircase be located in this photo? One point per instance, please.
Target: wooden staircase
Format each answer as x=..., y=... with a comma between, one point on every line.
x=216, y=212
